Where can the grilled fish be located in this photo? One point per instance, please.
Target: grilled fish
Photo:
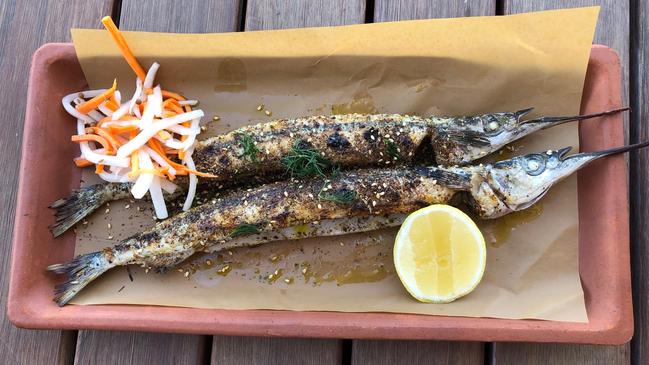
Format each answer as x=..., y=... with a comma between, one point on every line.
x=372, y=197
x=313, y=145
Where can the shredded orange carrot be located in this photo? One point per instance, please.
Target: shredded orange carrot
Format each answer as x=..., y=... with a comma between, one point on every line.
x=167, y=102
x=103, y=133
x=169, y=94
x=115, y=129
x=148, y=90
x=111, y=104
x=82, y=162
x=123, y=47
x=94, y=138
x=99, y=169
x=176, y=109
x=94, y=102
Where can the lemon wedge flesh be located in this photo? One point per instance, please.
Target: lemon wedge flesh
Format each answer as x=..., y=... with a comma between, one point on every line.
x=439, y=254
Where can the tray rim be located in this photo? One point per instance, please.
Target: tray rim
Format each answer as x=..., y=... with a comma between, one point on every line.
x=617, y=329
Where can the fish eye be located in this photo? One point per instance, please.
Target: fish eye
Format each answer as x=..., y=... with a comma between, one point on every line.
x=492, y=125
x=534, y=164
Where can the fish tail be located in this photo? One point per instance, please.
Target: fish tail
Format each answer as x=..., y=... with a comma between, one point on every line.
x=80, y=272
x=82, y=202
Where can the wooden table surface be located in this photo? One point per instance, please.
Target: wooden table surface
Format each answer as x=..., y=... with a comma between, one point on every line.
x=27, y=24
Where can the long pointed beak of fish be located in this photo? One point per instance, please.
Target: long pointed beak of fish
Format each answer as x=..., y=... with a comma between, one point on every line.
x=584, y=158
x=547, y=122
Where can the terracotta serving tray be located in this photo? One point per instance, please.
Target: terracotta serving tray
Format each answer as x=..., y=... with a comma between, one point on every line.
x=47, y=174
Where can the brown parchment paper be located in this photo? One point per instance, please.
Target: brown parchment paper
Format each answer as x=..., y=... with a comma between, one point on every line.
x=441, y=67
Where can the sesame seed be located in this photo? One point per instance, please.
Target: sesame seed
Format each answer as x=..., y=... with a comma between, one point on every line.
x=288, y=280
x=146, y=271
x=107, y=210
x=216, y=118
x=373, y=203
x=310, y=195
x=286, y=194
x=108, y=204
x=342, y=243
x=109, y=226
x=549, y=152
x=380, y=153
x=208, y=262
x=290, y=134
x=385, y=185
x=409, y=154
x=187, y=273
x=372, y=137
x=127, y=206
x=110, y=236
x=203, y=129
x=304, y=270
x=374, y=184
x=319, y=206
x=260, y=107
x=229, y=252
x=268, y=113
x=434, y=182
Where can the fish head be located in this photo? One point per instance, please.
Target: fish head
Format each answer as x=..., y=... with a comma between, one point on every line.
x=470, y=138
x=520, y=182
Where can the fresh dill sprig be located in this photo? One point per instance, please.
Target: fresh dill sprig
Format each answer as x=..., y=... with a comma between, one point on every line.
x=243, y=229
x=341, y=196
x=305, y=161
x=391, y=149
x=249, y=146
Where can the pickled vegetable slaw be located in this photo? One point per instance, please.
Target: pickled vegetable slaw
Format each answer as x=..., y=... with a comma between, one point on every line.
x=147, y=140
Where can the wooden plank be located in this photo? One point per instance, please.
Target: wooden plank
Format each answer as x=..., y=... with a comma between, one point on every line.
x=111, y=347
x=272, y=350
x=102, y=347
x=280, y=14
x=24, y=26
x=416, y=352
x=639, y=182
x=613, y=31
x=187, y=16
x=389, y=10
x=542, y=354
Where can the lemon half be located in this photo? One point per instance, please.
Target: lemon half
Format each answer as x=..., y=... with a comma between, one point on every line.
x=439, y=254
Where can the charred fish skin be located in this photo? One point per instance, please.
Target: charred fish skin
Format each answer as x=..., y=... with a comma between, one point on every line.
x=345, y=140
x=492, y=190
x=374, y=192
x=259, y=152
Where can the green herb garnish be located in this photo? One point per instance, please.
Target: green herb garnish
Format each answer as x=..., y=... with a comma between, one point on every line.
x=341, y=196
x=391, y=149
x=249, y=146
x=305, y=161
x=243, y=229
